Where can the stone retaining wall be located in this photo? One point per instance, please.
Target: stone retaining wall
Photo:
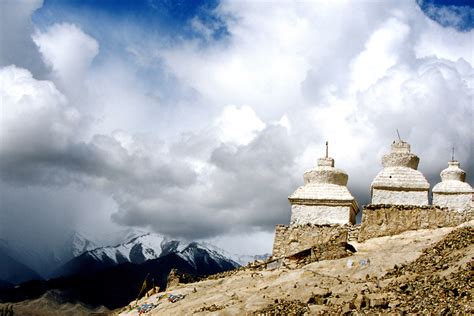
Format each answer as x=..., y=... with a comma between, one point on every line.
x=290, y=240
x=353, y=232
x=387, y=220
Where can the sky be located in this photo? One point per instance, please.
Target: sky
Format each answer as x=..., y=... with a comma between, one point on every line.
x=197, y=119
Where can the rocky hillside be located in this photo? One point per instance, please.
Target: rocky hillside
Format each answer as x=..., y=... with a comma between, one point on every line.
x=422, y=272
x=439, y=281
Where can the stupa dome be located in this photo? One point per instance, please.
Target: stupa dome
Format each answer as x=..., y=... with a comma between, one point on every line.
x=324, y=197
x=452, y=180
x=399, y=182
x=400, y=169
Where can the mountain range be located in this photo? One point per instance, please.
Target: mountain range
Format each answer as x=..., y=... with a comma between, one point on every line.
x=82, y=272
x=143, y=248
x=114, y=283
x=40, y=264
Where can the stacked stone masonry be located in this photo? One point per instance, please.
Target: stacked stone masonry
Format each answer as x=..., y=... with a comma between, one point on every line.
x=290, y=240
x=387, y=220
x=353, y=232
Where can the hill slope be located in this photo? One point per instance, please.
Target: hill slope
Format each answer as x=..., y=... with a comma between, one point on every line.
x=409, y=272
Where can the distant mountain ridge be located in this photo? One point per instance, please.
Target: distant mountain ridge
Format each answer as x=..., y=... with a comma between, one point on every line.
x=42, y=262
x=140, y=249
x=112, y=275
x=117, y=285
x=79, y=255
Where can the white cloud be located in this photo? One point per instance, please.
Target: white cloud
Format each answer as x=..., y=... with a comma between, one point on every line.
x=35, y=114
x=68, y=51
x=238, y=125
x=381, y=52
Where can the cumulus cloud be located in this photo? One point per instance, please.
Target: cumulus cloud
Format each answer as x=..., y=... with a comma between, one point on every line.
x=238, y=126
x=218, y=146
x=68, y=51
x=36, y=121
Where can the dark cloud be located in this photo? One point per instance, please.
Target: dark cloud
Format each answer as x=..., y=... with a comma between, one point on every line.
x=245, y=187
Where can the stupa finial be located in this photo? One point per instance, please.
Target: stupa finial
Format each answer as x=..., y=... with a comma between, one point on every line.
x=327, y=149
x=398, y=134
x=452, y=154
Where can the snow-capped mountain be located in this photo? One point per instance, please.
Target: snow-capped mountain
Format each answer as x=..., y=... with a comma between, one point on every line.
x=79, y=253
x=136, y=250
x=239, y=258
x=117, y=285
x=143, y=248
x=193, y=252
x=76, y=245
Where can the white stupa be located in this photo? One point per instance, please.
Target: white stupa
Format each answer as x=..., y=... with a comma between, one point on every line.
x=399, y=182
x=453, y=192
x=324, y=197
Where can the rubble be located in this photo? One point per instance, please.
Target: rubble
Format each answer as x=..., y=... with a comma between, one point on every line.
x=430, y=286
x=211, y=308
x=283, y=307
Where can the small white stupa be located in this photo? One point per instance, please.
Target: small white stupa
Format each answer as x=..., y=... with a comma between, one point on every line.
x=399, y=182
x=453, y=192
x=324, y=197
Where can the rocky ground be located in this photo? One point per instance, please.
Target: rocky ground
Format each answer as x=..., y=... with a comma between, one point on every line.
x=51, y=303
x=421, y=272
x=416, y=272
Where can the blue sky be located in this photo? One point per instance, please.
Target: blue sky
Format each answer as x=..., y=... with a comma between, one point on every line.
x=461, y=8
x=170, y=18
x=169, y=21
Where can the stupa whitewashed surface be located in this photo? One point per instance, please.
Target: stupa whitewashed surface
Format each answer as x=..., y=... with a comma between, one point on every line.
x=400, y=182
x=453, y=192
x=324, y=197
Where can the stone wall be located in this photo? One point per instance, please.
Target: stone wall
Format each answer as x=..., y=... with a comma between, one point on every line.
x=327, y=251
x=353, y=232
x=290, y=240
x=387, y=220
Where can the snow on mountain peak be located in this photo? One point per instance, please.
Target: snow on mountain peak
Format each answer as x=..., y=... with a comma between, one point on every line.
x=78, y=244
x=137, y=249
